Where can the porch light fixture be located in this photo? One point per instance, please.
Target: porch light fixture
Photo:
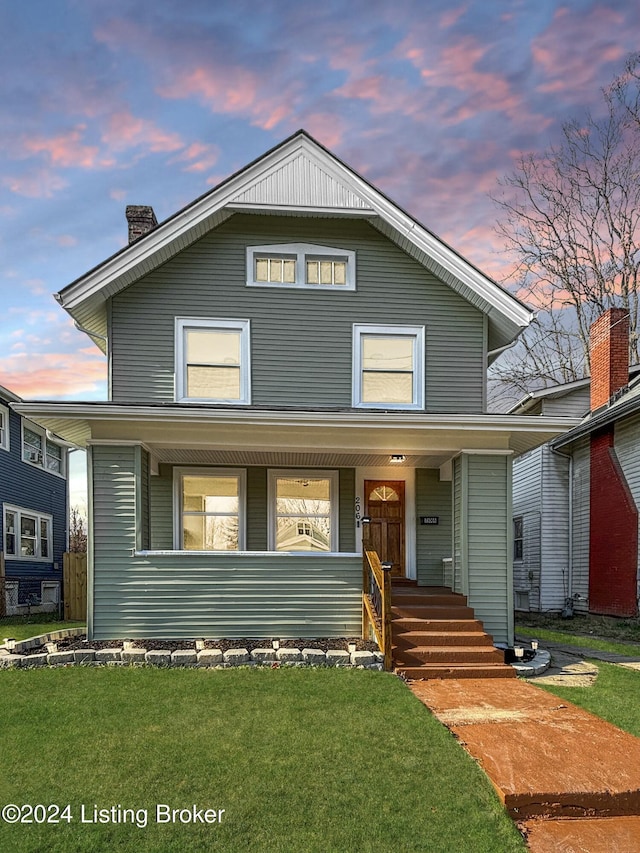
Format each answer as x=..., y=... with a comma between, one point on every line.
x=10, y=643
x=276, y=644
x=199, y=645
x=351, y=647
x=397, y=457
x=534, y=645
x=519, y=651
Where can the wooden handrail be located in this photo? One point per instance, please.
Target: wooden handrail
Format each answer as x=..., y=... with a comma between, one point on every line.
x=376, y=603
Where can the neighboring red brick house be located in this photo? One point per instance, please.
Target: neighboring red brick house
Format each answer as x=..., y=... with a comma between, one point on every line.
x=576, y=500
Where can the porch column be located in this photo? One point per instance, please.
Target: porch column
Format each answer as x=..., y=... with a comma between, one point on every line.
x=483, y=538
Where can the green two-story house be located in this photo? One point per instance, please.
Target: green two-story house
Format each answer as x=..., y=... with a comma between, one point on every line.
x=294, y=363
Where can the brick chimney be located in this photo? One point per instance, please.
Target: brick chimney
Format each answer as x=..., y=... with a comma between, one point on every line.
x=141, y=219
x=609, y=352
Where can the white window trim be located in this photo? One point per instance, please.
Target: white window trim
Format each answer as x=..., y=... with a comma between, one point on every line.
x=301, y=251
x=301, y=473
x=243, y=326
x=418, y=335
x=179, y=473
x=41, y=464
x=39, y=516
x=5, y=441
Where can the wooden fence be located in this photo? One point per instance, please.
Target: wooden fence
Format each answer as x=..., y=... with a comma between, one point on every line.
x=74, y=581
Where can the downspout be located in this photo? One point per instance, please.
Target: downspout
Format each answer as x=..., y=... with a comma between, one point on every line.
x=569, y=601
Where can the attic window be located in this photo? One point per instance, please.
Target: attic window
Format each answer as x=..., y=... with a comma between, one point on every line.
x=301, y=265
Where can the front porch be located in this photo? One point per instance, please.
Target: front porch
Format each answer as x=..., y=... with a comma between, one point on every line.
x=199, y=525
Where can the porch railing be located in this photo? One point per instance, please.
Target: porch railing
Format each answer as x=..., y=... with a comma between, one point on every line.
x=376, y=603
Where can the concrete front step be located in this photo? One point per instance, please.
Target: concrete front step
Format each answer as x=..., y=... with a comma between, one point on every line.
x=413, y=639
x=453, y=655
x=448, y=599
x=406, y=624
x=441, y=611
x=435, y=671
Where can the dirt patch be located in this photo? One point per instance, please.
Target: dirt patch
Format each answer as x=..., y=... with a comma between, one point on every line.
x=468, y=716
x=568, y=671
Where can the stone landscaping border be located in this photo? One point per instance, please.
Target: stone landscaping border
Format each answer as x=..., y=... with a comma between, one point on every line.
x=119, y=656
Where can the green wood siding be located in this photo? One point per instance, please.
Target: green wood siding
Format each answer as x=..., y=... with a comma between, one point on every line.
x=161, y=499
x=458, y=509
x=433, y=497
x=489, y=543
x=230, y=595
x=257, y=509
x=301, y=340
x=347, y=531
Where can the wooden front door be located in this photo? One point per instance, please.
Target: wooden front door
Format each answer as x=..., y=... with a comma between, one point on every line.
x=384, y=504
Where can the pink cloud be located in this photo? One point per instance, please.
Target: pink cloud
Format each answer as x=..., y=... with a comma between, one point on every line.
x=198, y=157
x=39, y=183
x=51, y=374
x=66, y=240
x=327, y=128
x=565, y=51
x=66, y=149
x=452, y=16
x=124, y=130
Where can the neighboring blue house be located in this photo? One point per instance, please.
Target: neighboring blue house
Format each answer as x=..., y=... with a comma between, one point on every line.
x=33, y=499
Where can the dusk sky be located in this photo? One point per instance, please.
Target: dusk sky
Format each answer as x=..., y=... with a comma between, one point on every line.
x=109, y=104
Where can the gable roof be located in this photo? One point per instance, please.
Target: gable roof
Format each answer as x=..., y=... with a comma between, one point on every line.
x=8, y=396
x=299, y=176
x=627, y=404
x=527, y=403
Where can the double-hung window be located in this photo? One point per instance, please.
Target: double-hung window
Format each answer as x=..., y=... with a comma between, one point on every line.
x=211, y=509
x=303, y=510
x=38, y=449
x=27, y=534
x=212, y=361
x=4, y=428
x=518, y=537
x=301, y=265
x=388, y=367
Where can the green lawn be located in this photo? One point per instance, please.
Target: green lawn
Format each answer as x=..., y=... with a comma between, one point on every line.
x=578, y=640
x=299, y=759
x=613, y=696
x=21, y=627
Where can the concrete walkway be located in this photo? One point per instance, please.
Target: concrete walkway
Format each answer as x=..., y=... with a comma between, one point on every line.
x=570, y=780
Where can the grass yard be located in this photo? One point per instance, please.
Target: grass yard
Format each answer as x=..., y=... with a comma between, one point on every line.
x=590, y=626
x=23, y=627
x=613, y=696
x=588, y=642
x=299, y=759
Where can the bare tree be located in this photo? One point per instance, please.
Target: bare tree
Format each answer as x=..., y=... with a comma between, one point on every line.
x=571, y=218
x=77, y=531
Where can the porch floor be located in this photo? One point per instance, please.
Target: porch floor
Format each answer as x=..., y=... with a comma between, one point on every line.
x=435, y=635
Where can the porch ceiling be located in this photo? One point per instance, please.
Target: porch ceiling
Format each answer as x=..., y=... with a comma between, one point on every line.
x=285, y=458
x=171, y=430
